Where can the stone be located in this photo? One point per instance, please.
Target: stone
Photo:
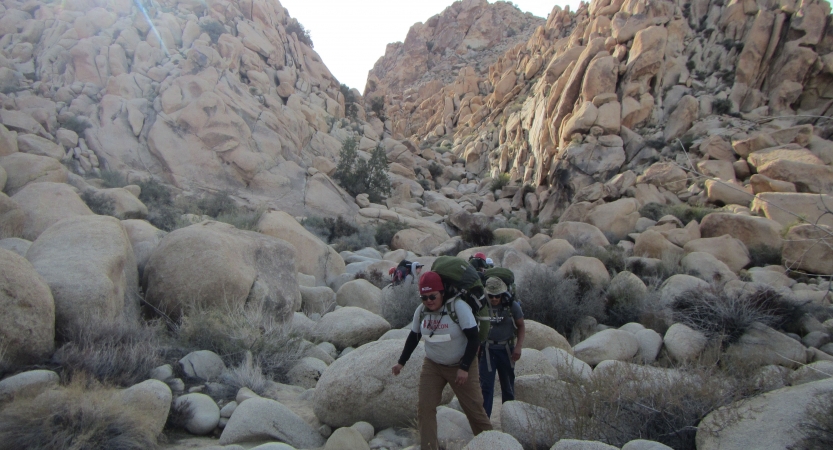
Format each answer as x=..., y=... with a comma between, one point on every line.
x=29, y=382
x=567, y=365
x=316, y=299
x=650, y=343
x=493, y=440
x=314, y=256
x=810, y=248
x=19, y=246
x=814, y=178
x=531, y=425
x=681, y=119
x=144, y=238
x=708, y=268
x=718, y=148
x=722, y=170
x=306, y=372
x=761, y=183
x=762, y=345
x=725, y=248
x=683, y=343
x=23, y=168
x=591, y=267
x=226, y=267
x=608, y=344
x=365, y=429
x=652, y=244
x=12, y=218
x=642, y=444
x=728, y=192
x=204, y=414
x=203, y=365
x=151, y=400
x=665, y=175
x=360, y=293
x=346, y=438
x=36, y=145
x=46, y=203
x=379, y=398
x=350, y=327
x=579, y=234
x=770, y=420
x=753, y=231
x=125, y=204
x=533, y=362
x=679, y=284
x=555, y=252
x=262, y=419
x=416, y=241
x=64, y=254
x=453, y=429
x=27, y=328
x=616, y=219
x=575, y=444
x=788, y=208
x=815, y=371
x=540, y=336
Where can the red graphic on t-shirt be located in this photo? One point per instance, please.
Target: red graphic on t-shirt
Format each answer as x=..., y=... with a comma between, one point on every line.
x=434, y=324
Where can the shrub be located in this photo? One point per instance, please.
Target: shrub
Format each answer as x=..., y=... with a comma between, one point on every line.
x=817, y=426
x=625, y=304
x=112, y=179
x=217, y=203
x=350, y=107
x=477, y=235
x=722, y=106
x=75, y=418
x=231, y=332
x=399, y=303
x=242, y=219
x=179, y=415
x=302, y=33
x=99, y=203
x=214, y=29
x=77, y=124
x=612, y=256
x=559, y=302
x=726, y=319
x=686, y=213
x=358, y=176
x=435, y=170
x=363, y=238
x=159, y=201
x=499, y=182
x=246, y=375
x=120, y=354
x=329, y=229
x=763, y=255
x=377, y=105
x=385, y=231
x=375, y=277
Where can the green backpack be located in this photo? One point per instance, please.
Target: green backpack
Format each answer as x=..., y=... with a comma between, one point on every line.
x=461, y=280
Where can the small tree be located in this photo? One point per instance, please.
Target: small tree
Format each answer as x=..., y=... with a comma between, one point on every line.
x=358, y=176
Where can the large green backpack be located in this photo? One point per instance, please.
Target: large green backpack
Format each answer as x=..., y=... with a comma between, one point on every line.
x=461, y=280
x=508, y=278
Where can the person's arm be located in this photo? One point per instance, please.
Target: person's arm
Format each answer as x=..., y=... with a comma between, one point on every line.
x=472, y=344
x=410, y=345
x=516, y=353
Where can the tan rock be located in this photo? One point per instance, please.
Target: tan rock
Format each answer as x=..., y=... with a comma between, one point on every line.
x=667, y=175
x=751, y=230
x=23, y=168
x=759, y=141
x=36, y=145
x=125, y=204
x=809, y=248
x=144, y=238
x=617, y=219
x=679, y=236
x=8, y=141
x=27, y=327
x=725, y=248
x=718, y=148
x=46, y=203
x=722, y=170
x=415, y=240
x=765, y=156
x=600, y=78
x=813, y=178
x=313, y=256
x=652, y=244
x=761, y=183
x=12, y=218
x=591, y=267
x=360, y=293
x=555, y=252
x=789, y=209
x=681, y=118
x=540, y=336
x=579, y=234
x=728, y=192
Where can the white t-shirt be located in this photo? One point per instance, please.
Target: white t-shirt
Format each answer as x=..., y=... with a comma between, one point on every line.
x=445, y=342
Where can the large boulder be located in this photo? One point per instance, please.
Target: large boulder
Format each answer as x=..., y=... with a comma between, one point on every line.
x=683, y=343
x=144, y=238
x=125, y=204
x=314, y=257
x=540, y=336
x=593, y=268
x=680, y=120
x=350, y=327
x=12, y=218
x=151, y=400
x=725, y=248
x=493, y=440
x=762, y=345
x=554, y=252
x=616, y=219
x=678, y=285
x=607, y=344
x=652, y=244
x=45, y=203
x=810, y=248
x=215, y=265
x=788, y=208
x=259, y=419
x=23, y=168
x=708, y=268
x=752, y=231
x=579, y=234
x=770, y=420
x=346, y=438
x=533, y=426
x=32, y=382
x=567, y=365
x=89, y=265
x=360, y=387
x=203, y=413
x=27, y=326
x=360, y=293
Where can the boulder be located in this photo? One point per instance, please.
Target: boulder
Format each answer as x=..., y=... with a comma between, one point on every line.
x=202, y=365
x=608, y=344
x=94, y=249
x=650, y=343
x=215, y=265
x=642, y=444
x=708, y=268
x=762, y=345
x=36, y=145
x=316, y=299
x=31, y=382
x=809, y=248
x=144, y=238
x=665, y=175
x=616, y=219
x=540, y=336
x=125, y=204
x=12, y=218
x=306, y=372
x=554, y=252
x=346, y=438
x=350, y=327
x=360, y=293
x=45, y=203
x=314, y=256
x=761, y=183
x=453, y=429
x=575, y=444
x=493, y=440
x=680, y=120
x=264, y=419
x=151, y=400
x=652, y=244
x=414, y=240
x=203, y=413
x=591, y=267
x=679, y=284
x=728, y=192
x=789, y=208
x=722, y=170
x=568, y=366
x=579, y=234
x=751, y=230
x=532, y=362
x=815, y=371
x=683, y=343
x=533, y=426
x=360, y=387
x=725, y=248
x=770, y=420
x=19, y=246
x=813, y=178
x=23, y=168
x=27, y=327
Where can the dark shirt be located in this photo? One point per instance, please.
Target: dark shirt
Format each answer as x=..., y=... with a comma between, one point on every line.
x=503, y=326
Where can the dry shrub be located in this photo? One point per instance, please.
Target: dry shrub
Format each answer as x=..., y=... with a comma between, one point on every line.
x=120, y=354
x=559, y=302
x=726, y=318
x=248, y=374
x=231, y=332
x=612, y=256
x=817, y=427
x=74, y=418
x=399, y=303
x=477, y=235
x=375, y=277
x=179, y=415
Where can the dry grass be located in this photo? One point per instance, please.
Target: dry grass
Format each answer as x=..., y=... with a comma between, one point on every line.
x=248, y=374
x=399, y=303
x=817, y=427
x=233, y=331
x=120, y=354
x=74, y=418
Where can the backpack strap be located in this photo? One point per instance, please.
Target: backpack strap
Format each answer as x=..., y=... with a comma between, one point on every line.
x=452, y=309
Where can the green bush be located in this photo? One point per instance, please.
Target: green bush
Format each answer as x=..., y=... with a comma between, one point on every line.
x=435, y=170
x=817, y=427
x=302, y=33
x=214, y=29
x=377, y=105
x=363, y=238
x=722, y=106
x=217, y=203
x=77, y=124
x=358, y=176
x=350, y=107
x=385, y=232
x=158, y=198
x=477, y=235
x=499, y=182
x=99, y=203
x=764, y=255
x=112, y=179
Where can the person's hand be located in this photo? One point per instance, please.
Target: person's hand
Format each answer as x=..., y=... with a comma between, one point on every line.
x=516, y=354
x=396, y=369
x=462, y=377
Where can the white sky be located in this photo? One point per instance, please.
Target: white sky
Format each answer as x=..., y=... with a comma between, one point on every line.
x=350, y=35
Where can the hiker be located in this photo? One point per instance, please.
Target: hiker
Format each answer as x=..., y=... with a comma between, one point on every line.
x=478, y=261
x=450, y=352
x=506, y=337
x=489, y=263
x=405, y=271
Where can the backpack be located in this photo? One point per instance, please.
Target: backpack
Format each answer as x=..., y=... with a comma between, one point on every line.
x=461, y=280
x=401, y=271
x=508, y=277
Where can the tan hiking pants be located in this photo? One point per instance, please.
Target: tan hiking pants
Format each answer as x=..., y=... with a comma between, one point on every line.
x=432, y=381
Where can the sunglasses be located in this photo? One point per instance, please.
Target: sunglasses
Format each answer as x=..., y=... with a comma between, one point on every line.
x=494, y=296
x=425, y=298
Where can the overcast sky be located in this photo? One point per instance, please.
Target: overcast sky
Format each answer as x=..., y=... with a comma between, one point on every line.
x=350, y=35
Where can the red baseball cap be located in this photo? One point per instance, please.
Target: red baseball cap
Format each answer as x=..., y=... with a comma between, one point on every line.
x=480, y=255
x=430, y=282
